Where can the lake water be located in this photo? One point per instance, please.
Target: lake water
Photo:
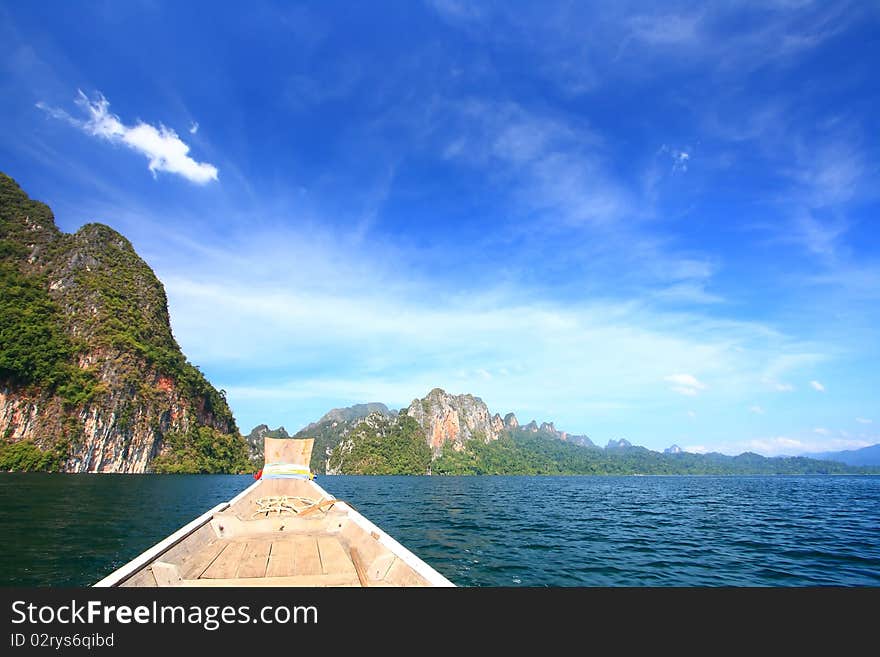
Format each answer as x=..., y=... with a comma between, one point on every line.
x=489, y=531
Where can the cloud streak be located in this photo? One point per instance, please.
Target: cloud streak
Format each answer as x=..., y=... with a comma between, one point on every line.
x=319, y=333
x=685, y=384
x=163, y=148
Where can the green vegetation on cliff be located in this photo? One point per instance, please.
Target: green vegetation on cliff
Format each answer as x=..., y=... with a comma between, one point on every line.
x=85, y=337
x=34, y=349
x=24, y=456
x=382, y=446
x=203, y=450
x=329, y=430
x=327, y=436
x=526, y=453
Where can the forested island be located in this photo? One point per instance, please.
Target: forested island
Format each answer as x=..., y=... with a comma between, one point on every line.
x=385, y=446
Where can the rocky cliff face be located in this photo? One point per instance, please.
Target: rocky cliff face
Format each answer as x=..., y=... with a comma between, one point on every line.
x=90, y=373
x=453, y=419
x=548, y=429
x=441, y=419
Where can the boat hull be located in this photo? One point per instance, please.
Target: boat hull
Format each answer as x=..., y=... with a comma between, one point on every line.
x=278, y=532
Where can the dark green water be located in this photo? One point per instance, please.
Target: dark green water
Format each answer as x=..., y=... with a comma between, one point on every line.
x=489, y=531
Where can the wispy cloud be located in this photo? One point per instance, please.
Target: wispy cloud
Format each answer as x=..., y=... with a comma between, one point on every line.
x=685, y=384
x=565, y=196
x=559, y=168
x=783, y=387
x=321, y=331
x=691, y=292
x=819, y=440
x=674, y=30
x=757, y=410
x=160, y=145
x=863, y=420
x=818, y=387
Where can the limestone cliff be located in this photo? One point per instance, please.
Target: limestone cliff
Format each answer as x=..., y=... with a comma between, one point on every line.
x=91, y=377
x=454, y=419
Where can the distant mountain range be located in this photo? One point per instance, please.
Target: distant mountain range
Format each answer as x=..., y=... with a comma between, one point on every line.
x=443, y=433
x=864, y=456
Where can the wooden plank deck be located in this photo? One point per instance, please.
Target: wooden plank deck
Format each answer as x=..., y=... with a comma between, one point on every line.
x=281, y=559
x=305, y=558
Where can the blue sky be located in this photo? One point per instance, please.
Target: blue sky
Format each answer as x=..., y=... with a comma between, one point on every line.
x=641, y=221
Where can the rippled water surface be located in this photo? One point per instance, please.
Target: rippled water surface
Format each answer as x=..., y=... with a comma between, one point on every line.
x=490, y=531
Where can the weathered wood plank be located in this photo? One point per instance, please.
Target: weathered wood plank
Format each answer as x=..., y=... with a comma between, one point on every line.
x=200, y=561
x=402, y=575
x=281, y=559
x=254, y=559
x=334, y=557
x=359, y=566
x=307, y=559
x=295, y=580
x=141, y=578
x=225, y=566
x=166, y=574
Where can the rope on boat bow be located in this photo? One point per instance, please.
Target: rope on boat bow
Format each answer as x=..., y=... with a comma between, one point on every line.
x=291, y=505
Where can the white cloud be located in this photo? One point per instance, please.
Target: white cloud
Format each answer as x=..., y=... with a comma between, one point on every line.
x=820, y=440
x=322, y=330
x=556, y=168
x=757, y=410
x=696, y=449
x=194, y=127
x=679, y=158
x=685, y=380
x=775, y=446
x=688, y=293
x=686, y=384
x=863, y=420
x=817, y=386
x=784, y=387
x=160, y=145
x=692, y=414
